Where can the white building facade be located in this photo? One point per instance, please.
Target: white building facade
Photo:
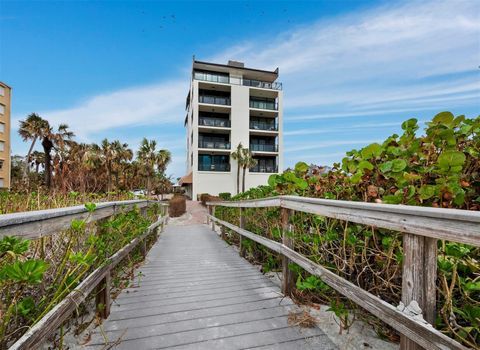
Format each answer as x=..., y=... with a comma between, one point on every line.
x=230, y=104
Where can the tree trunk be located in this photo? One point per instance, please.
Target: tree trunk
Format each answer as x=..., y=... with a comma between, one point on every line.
x=243, y=178
x=238, y=177
x=47, y=148
x=27, y=163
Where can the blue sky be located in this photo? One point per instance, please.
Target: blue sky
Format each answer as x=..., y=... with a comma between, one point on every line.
x=352, y=70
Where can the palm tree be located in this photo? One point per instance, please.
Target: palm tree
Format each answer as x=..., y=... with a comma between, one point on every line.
x=237, y=155
x=247, y=162
x=36, y=159
x=31, y=129
x=51, y=140
x=150, y=159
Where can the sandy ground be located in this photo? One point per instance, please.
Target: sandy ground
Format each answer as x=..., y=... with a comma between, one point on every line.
x=195, y=215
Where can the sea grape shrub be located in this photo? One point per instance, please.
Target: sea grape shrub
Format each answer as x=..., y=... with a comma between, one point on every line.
x=440, y=168
x=177, y=206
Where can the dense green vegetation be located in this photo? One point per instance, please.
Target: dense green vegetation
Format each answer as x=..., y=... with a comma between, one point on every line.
x=35, y=275
x=439, y=169
x=64, y=165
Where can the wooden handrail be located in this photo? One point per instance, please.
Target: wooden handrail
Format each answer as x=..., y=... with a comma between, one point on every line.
x=462, y=226
x=39, y=223
x=99, y=279
x=421, y=228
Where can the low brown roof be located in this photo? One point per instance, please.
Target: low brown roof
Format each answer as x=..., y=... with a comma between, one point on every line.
x=186, y=180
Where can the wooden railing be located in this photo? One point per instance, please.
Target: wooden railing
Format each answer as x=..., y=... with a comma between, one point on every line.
x=421, y=228
x=37, y=224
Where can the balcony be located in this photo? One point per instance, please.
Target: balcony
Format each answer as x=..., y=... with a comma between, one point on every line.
x=263, y=125
x=214, y=144
x=213, y=77
x=262, y=84
x=225, y=79
x=217, y=122
x=263, y=148
x=214, y=100
x=264, y=169
x=266, y=103
x=213, y=167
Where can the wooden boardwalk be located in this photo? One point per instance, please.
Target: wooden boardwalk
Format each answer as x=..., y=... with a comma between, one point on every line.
x=195, y=292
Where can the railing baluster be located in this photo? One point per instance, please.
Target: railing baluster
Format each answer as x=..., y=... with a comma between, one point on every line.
x=102, y=297
x=242, y=225
x=288, y=283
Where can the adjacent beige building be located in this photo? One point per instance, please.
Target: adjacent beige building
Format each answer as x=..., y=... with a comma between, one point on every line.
x=230, y=104
x=5, y=162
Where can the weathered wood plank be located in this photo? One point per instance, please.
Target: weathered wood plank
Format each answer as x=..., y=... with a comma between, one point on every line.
x=55, y=317
x=36, y=224
x=463, y=227
x=424, y=334
x=250, y=203
x=288, y=282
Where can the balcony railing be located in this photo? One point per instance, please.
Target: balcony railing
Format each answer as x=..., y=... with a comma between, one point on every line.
x=214, y=144
x=223, y=123
x=271, y=105
x=262, y=84
x=263, y=148
x=255, y=125
x=224, y=79
x=216, y=78
x=214, y=100
x=264, y=169
x=214, y=167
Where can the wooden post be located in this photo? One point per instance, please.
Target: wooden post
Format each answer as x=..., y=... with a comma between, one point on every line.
x=209, y=210
x=213, y=214
x=242, y=225
x=419, y=279
x=143, y=248
x=288, y=276
x=102, y=298
x=430, y=268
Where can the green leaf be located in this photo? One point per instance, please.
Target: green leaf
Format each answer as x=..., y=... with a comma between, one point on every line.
x=13, y=245
x=398, y=165
x=444, y=118
x=272, y=180
x=90, y=207
x=371, y=151
x=301, y=167
x=386, y=167
x=427, y=191
x=452, y=159
x=410, y=124
x=30, y=271
x=365, y=164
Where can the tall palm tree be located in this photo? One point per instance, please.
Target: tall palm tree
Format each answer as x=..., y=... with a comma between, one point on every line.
x=247, y=162
x=237, y=155
x=50, y=140
x=31, y=129
x=151, y=159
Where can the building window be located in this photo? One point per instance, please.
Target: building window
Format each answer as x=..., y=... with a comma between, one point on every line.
x=1, y=164
x=2, y=127
x=207, y=162
x=2, y=146
x=2, y=91
x=1, y=183
x=2, y=109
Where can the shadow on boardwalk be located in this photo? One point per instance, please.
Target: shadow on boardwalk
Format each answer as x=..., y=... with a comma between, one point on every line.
x=195, y=292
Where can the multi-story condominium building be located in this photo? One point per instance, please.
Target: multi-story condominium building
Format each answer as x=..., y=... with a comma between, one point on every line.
x=230, y=104
x=5, y=93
